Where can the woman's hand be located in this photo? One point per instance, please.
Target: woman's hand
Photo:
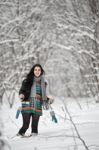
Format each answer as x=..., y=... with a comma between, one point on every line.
x=21, y=96
x=51, y=100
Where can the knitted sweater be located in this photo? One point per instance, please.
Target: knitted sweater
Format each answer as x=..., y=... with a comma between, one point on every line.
x=34, y=105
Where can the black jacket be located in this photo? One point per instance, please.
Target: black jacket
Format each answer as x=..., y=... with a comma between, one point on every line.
x=26, y=88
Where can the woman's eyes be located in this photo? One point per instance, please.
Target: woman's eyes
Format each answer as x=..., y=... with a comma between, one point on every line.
x=37, y=70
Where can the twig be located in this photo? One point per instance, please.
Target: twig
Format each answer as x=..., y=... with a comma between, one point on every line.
x=78, y=135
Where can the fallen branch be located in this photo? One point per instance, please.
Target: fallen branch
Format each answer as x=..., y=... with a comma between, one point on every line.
x=78, y=135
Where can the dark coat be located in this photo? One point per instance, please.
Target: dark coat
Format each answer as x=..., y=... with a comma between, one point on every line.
x=26, y=88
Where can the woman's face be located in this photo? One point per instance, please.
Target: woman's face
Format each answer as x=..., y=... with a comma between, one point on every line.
x=37, y=71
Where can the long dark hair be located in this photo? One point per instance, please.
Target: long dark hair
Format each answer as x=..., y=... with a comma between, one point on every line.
x=30, y=75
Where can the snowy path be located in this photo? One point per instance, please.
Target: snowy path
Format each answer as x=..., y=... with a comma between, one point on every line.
x=58, y=136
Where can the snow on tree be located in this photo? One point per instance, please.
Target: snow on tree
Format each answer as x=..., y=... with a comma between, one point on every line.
x=61, y=35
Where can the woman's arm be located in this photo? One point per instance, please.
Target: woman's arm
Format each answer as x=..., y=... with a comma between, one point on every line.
x=22, y=90
x=50, y=100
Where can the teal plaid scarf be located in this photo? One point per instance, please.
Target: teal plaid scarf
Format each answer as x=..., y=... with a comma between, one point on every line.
x=43, y=88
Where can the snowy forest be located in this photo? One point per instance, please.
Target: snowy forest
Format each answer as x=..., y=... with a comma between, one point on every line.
x=61, y=35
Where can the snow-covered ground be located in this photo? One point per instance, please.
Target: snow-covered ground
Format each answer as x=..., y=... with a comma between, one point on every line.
x=79, y=131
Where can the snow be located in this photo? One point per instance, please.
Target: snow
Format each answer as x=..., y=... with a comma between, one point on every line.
x=61, y=135
x=62, y=36
x=7, y=41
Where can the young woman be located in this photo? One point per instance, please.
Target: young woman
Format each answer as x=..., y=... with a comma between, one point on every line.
x=33, y=95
